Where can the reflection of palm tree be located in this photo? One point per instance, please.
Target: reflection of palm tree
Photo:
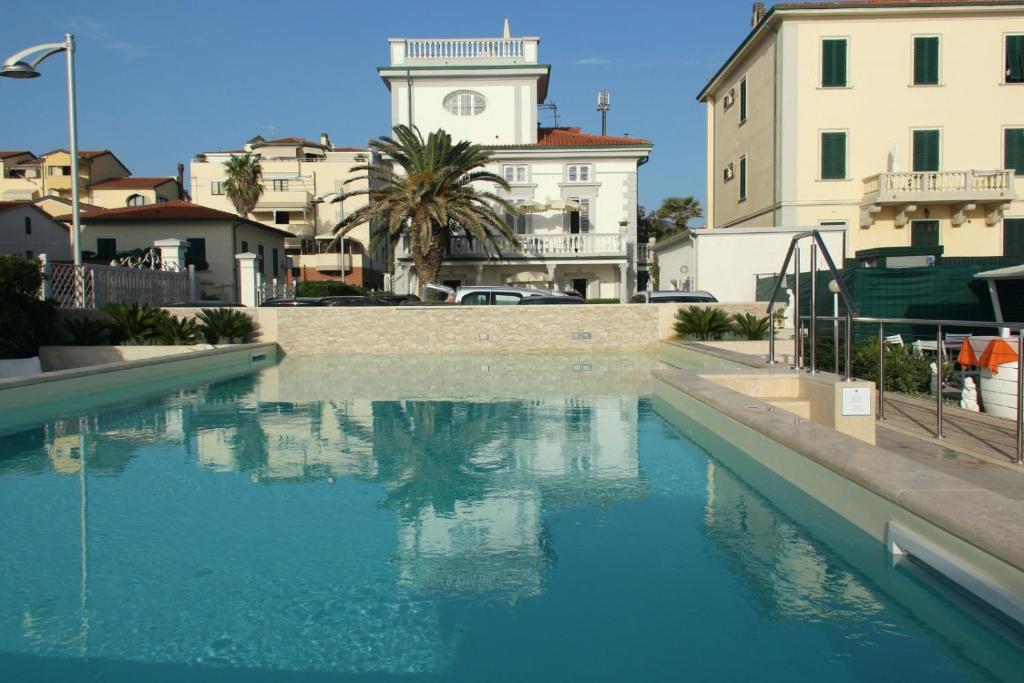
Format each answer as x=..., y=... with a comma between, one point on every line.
x=425, y=449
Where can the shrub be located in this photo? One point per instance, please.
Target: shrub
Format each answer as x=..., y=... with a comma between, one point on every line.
x=25, y=321
x=227, y=326
x=907, y=370
x=317, y=288
x=87, y=331
x=603, y=301
x=180, y=331
x=702, y=323
x=749, y=326
x=136, y=323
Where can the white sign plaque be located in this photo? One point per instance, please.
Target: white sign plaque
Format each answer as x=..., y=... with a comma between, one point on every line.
x=856, y=401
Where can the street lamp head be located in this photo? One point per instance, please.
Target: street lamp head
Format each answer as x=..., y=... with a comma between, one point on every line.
x=18, y=70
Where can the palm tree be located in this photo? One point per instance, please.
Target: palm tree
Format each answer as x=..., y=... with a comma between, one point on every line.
x=243, y=185
x=679, y=210
x=434, y=194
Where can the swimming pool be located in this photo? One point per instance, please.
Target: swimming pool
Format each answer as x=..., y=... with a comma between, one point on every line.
x=478, y=518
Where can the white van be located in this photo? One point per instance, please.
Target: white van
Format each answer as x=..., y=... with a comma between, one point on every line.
x=484, y=295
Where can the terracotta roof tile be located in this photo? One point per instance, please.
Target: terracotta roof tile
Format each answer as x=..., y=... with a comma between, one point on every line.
x=132, y=182
x=573, y=136
x=4, y=154
x=171, y=211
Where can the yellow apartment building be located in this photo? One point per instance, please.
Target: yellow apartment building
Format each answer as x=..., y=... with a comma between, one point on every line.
x=302, y=183
x=902, y=121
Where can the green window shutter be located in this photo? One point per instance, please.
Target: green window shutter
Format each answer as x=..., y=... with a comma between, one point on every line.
x=926, y=61
x=743, y=177
x=1013, y=149
x=833, y=156
x=743, y=100
x=926, y=150
x=1013, y=238
x=924, y=233
x=833, y=63
x=1015, y=59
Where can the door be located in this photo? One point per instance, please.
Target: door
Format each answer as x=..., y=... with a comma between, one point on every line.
x=1013, y=238
x=579, y=285
x=924, y=233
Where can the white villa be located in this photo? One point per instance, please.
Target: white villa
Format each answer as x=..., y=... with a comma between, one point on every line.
x=578, y=190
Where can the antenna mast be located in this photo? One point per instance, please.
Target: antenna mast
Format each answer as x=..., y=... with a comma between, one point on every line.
x=603, y=105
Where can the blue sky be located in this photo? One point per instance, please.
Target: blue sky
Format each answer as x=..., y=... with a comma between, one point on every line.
x=160, y=82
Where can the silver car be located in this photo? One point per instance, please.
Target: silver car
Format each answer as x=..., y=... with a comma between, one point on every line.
x=484, y=295
x=673, y=297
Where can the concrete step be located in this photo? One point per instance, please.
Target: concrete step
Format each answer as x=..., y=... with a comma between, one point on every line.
x=797, y=406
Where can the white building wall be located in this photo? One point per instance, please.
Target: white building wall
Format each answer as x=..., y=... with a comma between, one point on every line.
x=47, y=235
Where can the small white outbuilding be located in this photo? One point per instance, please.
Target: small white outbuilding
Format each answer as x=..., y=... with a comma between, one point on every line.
x=727, y=261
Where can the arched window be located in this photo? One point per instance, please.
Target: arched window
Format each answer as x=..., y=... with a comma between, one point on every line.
x=465, y=103
x=136, y=200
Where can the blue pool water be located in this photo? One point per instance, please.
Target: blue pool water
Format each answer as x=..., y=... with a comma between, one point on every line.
x=339, y=520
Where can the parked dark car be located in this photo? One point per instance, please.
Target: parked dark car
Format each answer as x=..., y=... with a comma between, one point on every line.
x=301, y=301
x=203, y=304
x=398, y=299
x=353, y=301
x=554, y=300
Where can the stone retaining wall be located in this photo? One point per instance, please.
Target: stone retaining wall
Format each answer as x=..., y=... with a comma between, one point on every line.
x=469, y=329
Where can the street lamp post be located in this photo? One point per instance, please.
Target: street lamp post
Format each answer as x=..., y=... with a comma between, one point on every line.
x=23, y=65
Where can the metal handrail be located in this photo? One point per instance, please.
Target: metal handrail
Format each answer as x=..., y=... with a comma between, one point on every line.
x=851, y=307
x=940, y=357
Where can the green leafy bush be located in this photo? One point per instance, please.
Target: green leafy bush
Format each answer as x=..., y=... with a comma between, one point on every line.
x=25, y=322
x=181, y=331
x=751, y=327
x=603, y=301
x=702, y=323
x=136, y=323
x=227, y=326
x=88, y=331
x=907, y=370
x=315, y=288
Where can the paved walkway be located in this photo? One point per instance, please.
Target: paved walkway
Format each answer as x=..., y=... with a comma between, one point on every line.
x=965, y=433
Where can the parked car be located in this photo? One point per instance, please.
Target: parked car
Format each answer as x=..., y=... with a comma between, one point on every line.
x=301, y=301
x=352, y=301
x=485, y=295
x=545, y=300
x=398, y=299
x=673, y=297
x=204, y=304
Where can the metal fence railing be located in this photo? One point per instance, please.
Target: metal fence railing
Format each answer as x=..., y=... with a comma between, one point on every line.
x=95, y=286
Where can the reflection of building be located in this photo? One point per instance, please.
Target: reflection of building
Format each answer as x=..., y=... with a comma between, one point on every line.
x=786, y=573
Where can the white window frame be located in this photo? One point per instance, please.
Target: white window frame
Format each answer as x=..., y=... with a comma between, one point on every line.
x=846, y=155
x=743, y=92
x=821, y=63
x=742, y=177
x=135, y=199
x=520, y=224
x=942, y=142
x=586, y=219
x=520, y=174
x=217, y=187
x=941, y=73
x=1002, y=143
x=467, y=103
x=574, y=173
x=279, y=185
x=1002, y=62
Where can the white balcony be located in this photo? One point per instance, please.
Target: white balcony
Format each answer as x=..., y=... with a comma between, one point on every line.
x=333, y=262
x=437, y=51
x=557, y=246
x=644, y=252
x=965, y=190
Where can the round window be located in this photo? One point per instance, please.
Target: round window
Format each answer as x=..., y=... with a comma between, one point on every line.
x=465, y=103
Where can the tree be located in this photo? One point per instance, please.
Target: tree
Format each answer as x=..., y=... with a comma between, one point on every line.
x=678, y=211
x=435, y=196
x=244, y=182
x=649, y=225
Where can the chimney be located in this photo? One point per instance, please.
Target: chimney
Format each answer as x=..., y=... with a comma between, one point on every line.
x=181, y=181
x=324, y=140
x=757, y=15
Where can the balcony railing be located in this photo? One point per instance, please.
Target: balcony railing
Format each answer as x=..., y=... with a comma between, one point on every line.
x=283, y=199
x=325, y=262
x=558, y=246
x=644, y=252
x=939, y=186
x=464, y=50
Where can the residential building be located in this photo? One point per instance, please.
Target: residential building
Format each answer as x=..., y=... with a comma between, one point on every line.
x=26, y=230
x=899, y=120
x=214, y=238
x=302, y=183
x=577, y=191
x=103, y=180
